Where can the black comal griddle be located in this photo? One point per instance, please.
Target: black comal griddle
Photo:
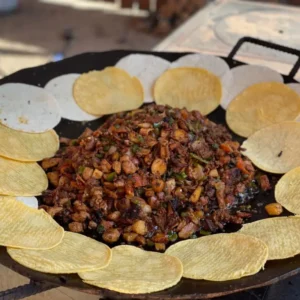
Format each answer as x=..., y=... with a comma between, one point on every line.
x=186, y=288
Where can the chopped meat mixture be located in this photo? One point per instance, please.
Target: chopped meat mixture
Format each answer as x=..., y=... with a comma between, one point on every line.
x=149, y=177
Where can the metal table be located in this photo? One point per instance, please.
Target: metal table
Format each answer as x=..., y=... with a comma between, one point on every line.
x=216, y=28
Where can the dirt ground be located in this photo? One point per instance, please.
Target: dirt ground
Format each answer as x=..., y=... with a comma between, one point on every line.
x=34, y=33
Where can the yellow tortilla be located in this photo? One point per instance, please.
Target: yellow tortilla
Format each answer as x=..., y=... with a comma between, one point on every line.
x=25, y=227
x=109, y=91
x=261, y=105
x=76, y=253
x=21, y=178
x=24, y=146
x=135, y=271
x=287, y=191
x=192, y=88
x=282, y=235
x=276, y=148
x=220, y=257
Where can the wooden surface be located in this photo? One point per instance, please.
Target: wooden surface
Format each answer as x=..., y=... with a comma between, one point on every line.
x=10, y=279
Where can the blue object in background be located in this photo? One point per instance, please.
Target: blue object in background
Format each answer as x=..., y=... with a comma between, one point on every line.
x=7, y=6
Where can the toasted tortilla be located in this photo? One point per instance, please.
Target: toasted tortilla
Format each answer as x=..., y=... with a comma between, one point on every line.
x=220, y=257
x=109, y=91
x=192, y=88
x=135, y=271
x=281, y=234
x=287, y=191
x=259, y=105
x=275, y=148
x=25, y=227
x=25, y=146
x=21, y=178
x=76, y=253
x=242, y=77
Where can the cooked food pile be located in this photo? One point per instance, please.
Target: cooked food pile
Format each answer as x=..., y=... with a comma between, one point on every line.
x=150, y=177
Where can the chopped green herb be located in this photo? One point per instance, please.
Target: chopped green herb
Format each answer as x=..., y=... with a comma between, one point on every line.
x=74, y=142
x=135, y=201
x=215, y=146
x=171, y=121
x=80, y=169
x=139, y=191
x=106, y=147
x=204, y=232
x=111, y=176
x=157, y=125
x=194, y=236
x=140, y=138
x=117, y=126
x=135, y=148
x=100, y=229
x=184, y=214
x=150, y=243
x=99, y=155
x=172, y=236
x=193, y=155
x=180, y=176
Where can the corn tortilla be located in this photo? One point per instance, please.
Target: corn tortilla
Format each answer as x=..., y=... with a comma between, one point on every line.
x=28, y=108
x=275, y=149
x=76, y=253
x=287, y=191
x=24, y=146
x=192, y=88
x=21, y=178
x=109, y=91
x=220, y=257
x=281, y=234
x=135, y=271
x=262, y=105
x=241, y=77
x=147, y=68
x=25, y=227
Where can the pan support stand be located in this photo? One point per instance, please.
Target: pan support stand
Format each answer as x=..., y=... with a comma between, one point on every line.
x=26, y=290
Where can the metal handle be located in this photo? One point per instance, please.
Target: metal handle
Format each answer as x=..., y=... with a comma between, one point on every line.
x=270, y=45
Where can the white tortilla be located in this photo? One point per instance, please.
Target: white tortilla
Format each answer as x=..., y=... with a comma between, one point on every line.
x=28, y=108
x=61, y=88
x=241, y=77
x=213, y=64
x=29, y=201
x=147, y=68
